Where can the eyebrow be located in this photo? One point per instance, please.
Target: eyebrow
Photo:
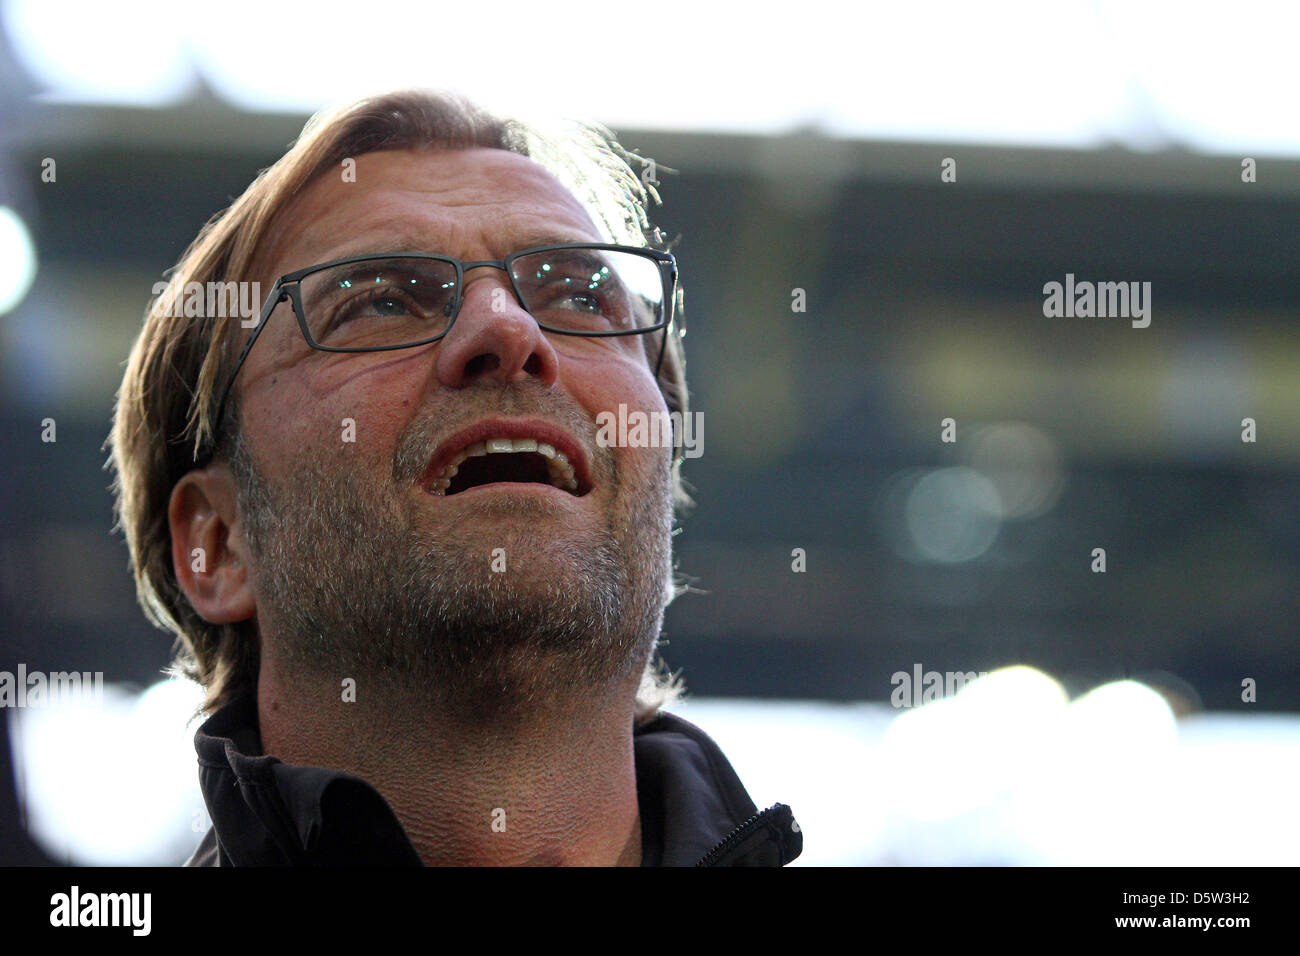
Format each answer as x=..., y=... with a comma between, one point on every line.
x=553, y=239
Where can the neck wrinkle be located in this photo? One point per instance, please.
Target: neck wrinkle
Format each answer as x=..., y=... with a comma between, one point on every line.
x=552, y=783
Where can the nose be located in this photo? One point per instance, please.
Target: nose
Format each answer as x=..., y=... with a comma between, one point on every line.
x=493, y=339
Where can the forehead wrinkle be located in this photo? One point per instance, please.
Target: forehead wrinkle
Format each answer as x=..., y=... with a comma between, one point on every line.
x=405, y=217
x=425, y=231
x=512, y=181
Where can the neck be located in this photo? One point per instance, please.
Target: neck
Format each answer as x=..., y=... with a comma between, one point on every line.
x=554, y=785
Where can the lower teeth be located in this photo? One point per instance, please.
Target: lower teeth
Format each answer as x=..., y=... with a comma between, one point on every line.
x=562, y=484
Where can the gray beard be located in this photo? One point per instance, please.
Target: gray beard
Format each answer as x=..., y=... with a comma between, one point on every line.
x=354, y=588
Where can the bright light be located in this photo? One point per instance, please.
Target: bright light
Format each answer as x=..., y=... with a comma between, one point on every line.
x=17, y=259
x=1005, y=771
x=953, y=515
x=131, y=52
x=957, y=753
x=1070, y=74
x=117, y=785
x=1104, y=786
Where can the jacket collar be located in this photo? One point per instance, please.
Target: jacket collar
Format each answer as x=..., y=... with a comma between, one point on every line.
x=694, y=809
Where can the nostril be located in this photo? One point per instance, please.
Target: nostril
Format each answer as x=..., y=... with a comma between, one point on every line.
x=486, y=362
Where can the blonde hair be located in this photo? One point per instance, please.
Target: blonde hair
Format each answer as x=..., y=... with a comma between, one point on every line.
x=163, y=422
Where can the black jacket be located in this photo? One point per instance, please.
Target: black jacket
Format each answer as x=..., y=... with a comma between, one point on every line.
x=694, y=809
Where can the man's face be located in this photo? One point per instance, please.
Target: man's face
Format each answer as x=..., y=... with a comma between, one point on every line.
x=358, y=565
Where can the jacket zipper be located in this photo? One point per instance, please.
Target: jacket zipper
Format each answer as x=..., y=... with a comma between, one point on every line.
x=736, y=835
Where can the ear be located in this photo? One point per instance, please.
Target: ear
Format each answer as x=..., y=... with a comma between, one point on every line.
x=209, y=555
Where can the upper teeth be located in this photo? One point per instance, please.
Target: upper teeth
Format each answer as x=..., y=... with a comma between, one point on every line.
x=557, y=463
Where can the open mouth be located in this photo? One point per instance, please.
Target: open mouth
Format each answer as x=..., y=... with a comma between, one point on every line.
x=521, y=460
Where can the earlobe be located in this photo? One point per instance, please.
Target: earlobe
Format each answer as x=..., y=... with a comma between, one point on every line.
x=207, y=552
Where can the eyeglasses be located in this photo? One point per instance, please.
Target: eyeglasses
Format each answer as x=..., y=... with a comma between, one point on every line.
x=379, y=303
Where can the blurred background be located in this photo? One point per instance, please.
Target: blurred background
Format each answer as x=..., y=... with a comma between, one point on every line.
x=1146, y=714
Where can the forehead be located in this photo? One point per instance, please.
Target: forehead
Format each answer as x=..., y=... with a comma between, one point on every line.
x=469, y=203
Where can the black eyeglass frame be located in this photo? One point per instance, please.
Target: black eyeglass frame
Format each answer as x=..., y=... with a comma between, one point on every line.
x=288, y=286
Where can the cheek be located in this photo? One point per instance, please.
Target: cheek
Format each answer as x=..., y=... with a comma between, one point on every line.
x=280, y=419
x=344, y=412
x=631, y=419
x=604, y=386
